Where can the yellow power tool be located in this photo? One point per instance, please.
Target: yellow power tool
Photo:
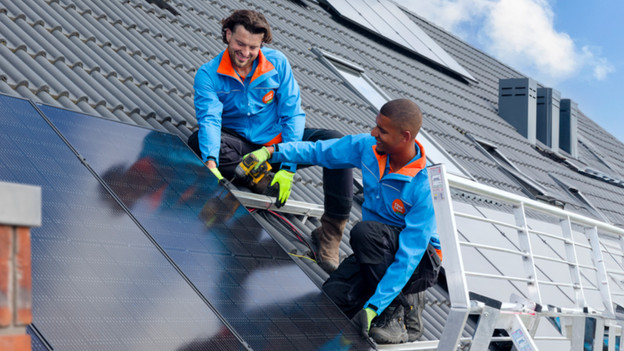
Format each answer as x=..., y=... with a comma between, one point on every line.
x=247, y=169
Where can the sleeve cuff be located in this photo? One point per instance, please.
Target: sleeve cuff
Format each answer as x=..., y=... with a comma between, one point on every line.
x=291, y=167
x=372, y=307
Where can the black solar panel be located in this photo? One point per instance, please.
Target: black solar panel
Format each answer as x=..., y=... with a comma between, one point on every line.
x=384, y=18
x=235, y=264
x=99, y=283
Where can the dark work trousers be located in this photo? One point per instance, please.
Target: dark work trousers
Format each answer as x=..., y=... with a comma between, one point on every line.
x=337, y=183
x=374, y=245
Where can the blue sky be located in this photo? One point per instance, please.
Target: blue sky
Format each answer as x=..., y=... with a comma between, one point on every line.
x=574, y=46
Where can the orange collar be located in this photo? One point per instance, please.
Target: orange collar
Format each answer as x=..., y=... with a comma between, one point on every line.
x=410, y=169
x=226, y=68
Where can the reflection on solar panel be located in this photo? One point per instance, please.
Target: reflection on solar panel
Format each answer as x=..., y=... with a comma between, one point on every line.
x=231, y=260
x=99, y=283
x=384, y=18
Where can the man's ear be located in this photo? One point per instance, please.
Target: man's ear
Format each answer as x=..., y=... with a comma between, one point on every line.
x=407, y=137
x=228, y=34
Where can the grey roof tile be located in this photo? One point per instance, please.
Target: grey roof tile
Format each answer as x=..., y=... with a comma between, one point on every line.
x=123, y=92
x=153, y=123
x=32, y=10
x=22, y=73
x=41, y=36
x=159, y=113
x=83, y=106
x=179, y=82
x=41, y=96
x=78, y=86
x=6, y=89
x=23, y=91
x=58, y=85
x=17, y=38
x=173, y=129
x=166, y=112
x=184, y=114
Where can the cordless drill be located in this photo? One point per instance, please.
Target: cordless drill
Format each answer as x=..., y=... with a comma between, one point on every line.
x=247, y=169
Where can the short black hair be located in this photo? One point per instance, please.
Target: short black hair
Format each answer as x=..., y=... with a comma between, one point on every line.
x=404, y=113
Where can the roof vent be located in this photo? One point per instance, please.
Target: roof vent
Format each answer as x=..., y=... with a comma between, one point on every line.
x=517, y=98
x=548, y=117
x=568, y=126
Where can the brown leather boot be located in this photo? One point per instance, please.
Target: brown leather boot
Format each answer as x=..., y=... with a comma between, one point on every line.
x=327, y=238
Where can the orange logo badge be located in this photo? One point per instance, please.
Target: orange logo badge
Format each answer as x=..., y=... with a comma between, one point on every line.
x=398, y=207
x=268, y=97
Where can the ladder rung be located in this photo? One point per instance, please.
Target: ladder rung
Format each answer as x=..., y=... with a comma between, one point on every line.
x=552, y=236
x=552, y=259
x=492, y=248
x=501, y=277
x=487, y=220
x=550, y=338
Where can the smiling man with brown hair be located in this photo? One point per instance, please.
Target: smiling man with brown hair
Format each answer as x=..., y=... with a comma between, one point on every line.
x=247, y=97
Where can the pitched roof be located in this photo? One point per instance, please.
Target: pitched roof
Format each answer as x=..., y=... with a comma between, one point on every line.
x=134, y=62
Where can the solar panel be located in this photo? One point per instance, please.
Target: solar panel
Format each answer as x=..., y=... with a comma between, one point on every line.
x=386, y=19
x=99, y=283
x=232, y=261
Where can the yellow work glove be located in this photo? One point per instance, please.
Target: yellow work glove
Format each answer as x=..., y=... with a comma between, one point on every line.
x=284, y=179
x=216, y=172
x=261, y=155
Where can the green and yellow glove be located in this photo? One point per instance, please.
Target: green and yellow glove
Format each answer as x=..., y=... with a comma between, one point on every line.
x=284, y=179
x=363, y=319
x=216, y=172
x=261, y=154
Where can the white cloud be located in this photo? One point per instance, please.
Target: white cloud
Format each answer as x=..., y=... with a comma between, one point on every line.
x=520, y=33
x=601, y=66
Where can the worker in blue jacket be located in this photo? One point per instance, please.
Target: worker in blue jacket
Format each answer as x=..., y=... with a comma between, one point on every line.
x=247, y=97
x=396, y=248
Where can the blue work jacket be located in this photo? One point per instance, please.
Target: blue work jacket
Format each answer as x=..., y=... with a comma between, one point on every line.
x=265, y=108
x=399, y=198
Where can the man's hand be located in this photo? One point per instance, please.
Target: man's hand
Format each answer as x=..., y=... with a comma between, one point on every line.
x=363, y=319
x=261, y=155
x=212, y=166
x=284, y=180
x=216, y=172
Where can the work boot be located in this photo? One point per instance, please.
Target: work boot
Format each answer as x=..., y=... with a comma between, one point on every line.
x=389, y=327
x=327, y=238
x=413, y=316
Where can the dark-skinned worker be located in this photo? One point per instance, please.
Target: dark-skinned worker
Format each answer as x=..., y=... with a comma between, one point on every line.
x=396, y=250
x=247, y=97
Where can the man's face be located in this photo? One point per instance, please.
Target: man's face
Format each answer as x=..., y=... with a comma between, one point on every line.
x=389, y=137
x=243, y=46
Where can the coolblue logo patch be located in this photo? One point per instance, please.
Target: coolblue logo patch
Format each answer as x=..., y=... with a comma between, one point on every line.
x=398, y=207
x=268, y=97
